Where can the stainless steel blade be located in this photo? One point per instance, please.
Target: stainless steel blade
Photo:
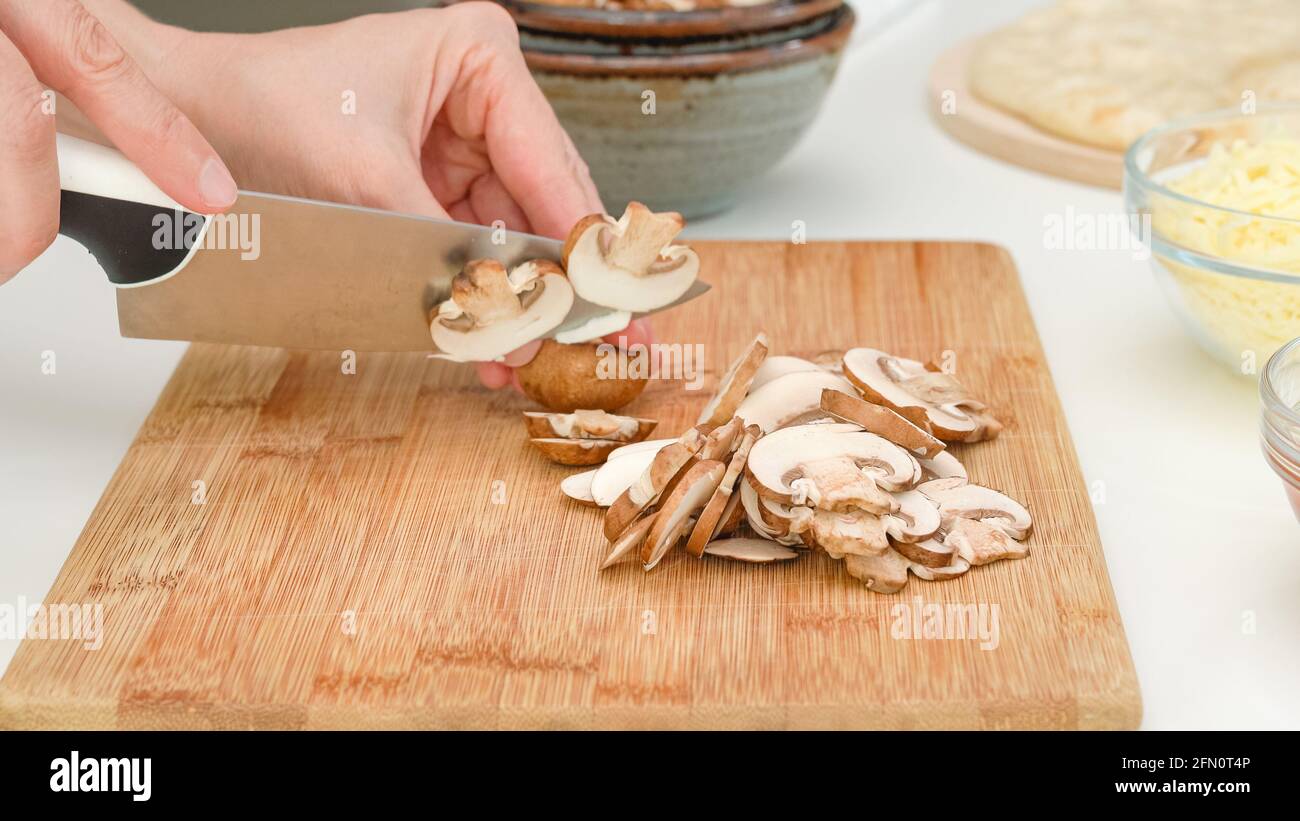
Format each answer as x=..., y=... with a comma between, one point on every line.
x=319, y=275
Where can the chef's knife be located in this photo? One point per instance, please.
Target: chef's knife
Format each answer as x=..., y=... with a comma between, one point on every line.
x=273, y=270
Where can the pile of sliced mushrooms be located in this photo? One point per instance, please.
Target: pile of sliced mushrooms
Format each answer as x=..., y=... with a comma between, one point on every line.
x=847, y=454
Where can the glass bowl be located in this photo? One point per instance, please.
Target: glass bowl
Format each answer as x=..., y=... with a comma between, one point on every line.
x=1232, y=275
x=1279, y=394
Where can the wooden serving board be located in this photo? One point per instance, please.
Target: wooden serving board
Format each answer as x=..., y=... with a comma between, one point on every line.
x=382, y=549
x=995, y=132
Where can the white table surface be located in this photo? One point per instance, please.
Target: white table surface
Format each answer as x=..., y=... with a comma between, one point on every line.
x=1207, y=573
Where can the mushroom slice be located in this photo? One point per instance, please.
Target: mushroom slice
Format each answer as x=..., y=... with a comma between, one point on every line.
x=886, y=573
x=735, y=384
x=937, y=574
x=652, y=445
x=622, y=467
x=588, y=424
x=881, y=421
x=645, y=489
x=490, y=312
x=578, y=487
x=831, y=466
x=849, y=534
x=598, y=326
x=685, y=502
x=776, y=366
x=732, y=516
x=980, y=543
x=758, y=551
x=966, y=501
x=757, y=514
x=916, y=519
x=575, y=451
x=933, y=401
x=792, y=524
x=788, y=397
x=721, y=441
x=630, y=541
x=927, y=552
x=715, y=512
x=942, y=466
x=630, y=264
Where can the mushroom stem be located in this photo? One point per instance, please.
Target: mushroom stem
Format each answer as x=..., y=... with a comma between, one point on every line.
x=640, y=237
x=483, y=291
x=837, y=484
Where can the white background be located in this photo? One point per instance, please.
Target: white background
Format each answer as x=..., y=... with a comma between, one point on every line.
x=1203, y=551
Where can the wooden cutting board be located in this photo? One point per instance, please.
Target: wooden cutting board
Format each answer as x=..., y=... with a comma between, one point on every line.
x=995, y=132
x=382, y=549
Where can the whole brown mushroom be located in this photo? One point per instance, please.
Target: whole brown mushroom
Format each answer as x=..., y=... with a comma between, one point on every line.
x=568, y=377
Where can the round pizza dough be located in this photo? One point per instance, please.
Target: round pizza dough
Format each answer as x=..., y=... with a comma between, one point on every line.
x=1103, y=72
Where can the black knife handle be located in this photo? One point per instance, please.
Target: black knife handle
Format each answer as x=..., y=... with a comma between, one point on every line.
x=136, y=232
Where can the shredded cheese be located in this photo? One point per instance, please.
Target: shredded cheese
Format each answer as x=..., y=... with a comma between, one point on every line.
x=1258, y=178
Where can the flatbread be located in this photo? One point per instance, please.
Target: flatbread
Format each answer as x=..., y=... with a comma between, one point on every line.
x=1103, y=72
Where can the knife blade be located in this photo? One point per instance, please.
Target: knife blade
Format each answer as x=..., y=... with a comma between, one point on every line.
x=274, y=270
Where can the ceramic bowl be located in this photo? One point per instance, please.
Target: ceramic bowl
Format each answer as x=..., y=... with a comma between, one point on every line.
x=683, y=129
x=627, y=24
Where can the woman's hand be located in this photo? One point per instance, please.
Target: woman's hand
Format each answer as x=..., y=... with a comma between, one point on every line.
x=59, y=45
x=428, y=112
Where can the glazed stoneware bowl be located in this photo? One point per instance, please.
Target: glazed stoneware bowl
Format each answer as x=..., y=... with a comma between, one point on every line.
x=681, y=127
x=581, y=19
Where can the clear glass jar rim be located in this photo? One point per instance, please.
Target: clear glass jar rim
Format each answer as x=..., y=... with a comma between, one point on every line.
x=1280, y=444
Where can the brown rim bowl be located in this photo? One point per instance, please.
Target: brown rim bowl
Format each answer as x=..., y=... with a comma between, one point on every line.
x=624, y=24
x=829, y=39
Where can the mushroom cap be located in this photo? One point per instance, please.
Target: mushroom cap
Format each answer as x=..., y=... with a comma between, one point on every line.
x=789, y=396
x=502, y=333
x=575, y=451
x=734, y=384
x=967, y=501
x=567, y=377
x=778, y=458
x=592, y=260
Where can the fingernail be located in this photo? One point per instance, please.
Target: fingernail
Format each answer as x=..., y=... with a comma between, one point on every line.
x=216, y=186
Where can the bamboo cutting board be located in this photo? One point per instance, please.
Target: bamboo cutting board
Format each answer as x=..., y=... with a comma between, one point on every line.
x=382, y=549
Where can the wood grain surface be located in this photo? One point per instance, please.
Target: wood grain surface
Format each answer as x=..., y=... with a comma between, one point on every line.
x=990, y=130
x=383, y=549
